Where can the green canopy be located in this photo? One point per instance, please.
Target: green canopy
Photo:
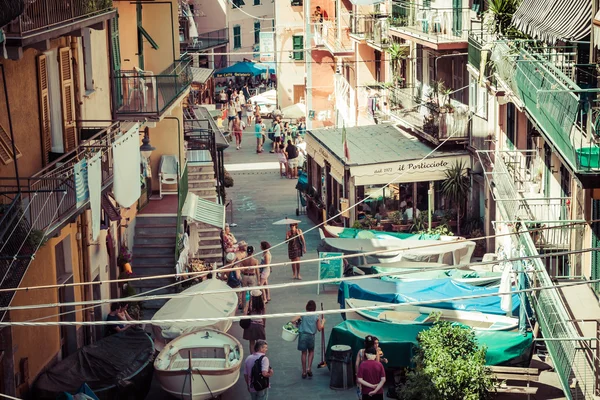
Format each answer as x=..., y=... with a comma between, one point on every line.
x=397, y=341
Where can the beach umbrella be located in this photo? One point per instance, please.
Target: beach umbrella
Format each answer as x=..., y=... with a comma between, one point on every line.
x=286, y=221
x=294, y=111
x=241, y=69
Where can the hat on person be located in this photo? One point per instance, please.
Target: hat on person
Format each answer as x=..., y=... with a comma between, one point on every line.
x=230, y=257
x=256, y=293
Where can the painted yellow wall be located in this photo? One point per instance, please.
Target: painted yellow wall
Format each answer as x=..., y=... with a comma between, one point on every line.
x=127, y=34
x=164, y=139
x=41, y=344
x=96, y=105
x=156, y=19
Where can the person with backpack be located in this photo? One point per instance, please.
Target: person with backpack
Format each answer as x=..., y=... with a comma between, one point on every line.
x=257, y=372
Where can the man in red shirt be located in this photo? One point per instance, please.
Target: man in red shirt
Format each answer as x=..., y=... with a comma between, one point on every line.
x=371, y=376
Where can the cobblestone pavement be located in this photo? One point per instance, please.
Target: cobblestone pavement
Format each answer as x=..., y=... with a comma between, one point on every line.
x=260, y=197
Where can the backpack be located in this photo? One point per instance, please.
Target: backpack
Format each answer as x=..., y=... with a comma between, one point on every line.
x=257, y=380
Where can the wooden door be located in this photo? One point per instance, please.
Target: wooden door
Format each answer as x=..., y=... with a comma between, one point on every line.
x=299, y=93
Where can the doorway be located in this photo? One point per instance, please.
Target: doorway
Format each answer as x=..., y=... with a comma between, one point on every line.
x=98, y=332
x=64, y=275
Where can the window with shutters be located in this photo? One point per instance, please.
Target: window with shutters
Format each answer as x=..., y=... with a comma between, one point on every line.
x=257, y=2
x=44, y=99
x=87, y=60
x=67, y=99
x=6, y=150
x=257, y=32
x=237, y=3
x=298, y=43
x=237, y=37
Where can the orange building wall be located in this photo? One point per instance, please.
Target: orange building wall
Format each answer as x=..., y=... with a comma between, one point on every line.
x=323, y=69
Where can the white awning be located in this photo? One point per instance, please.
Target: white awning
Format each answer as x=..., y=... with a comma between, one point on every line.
x=313, y=149
x=553, y=20
x=204, y=211
x=431, y=169
x=365, y=2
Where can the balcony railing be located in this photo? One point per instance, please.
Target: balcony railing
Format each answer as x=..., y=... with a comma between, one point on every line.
x=427, y=119
x=207, y=40
x=144, y=94
x=52, y=195
x=374, y=29
x=478, y=41
x=552, y=99
x=435, y=25
x=40, y=15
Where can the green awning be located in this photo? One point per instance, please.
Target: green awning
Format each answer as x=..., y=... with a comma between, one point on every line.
x=204, y=211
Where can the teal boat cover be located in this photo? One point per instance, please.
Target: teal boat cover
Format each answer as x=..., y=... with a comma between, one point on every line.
x=398, y=342
x=405, y=274
x=351, y=233
x=426, y=290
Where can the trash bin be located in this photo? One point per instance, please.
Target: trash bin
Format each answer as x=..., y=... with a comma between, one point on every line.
x=342, y=376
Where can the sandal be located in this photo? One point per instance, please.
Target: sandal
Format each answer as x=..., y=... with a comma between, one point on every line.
x=304, y=375
x=309, y=373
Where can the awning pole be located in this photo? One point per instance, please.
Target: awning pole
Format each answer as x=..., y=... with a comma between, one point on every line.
x=429, y=204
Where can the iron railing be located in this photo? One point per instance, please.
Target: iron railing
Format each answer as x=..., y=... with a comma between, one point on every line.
x=207, y=40
x=373, y=28
x=409, y=105
x=182, y=193
x=143, y=93
x=432, y=24
x=40, y=15
x=51, y=192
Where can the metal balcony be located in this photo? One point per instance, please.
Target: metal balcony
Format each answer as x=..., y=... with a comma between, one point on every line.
x=374, y=29
x=48, y=19
x=141, y=94
x=50, y=194
x=543, y=81
x=436, y=28
x=427, y=120
x=206, y=41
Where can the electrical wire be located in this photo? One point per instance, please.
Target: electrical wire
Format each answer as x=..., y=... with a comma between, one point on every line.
x=399, y=271
x=390, y=306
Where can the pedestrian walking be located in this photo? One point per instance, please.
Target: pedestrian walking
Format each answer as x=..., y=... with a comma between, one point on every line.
x=258, y=363
x=231, y=111
x=250, y=275
x=238, y=107
x=283, y=162
x=296, y=248
x=256, y=330
x=292, y=157
x=233, y=278
x=258, y=135
x=236, y=127
x=371, y=376
x=309, y=325
x=265, y=272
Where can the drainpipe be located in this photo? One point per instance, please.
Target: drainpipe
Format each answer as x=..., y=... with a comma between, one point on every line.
x=308, y=63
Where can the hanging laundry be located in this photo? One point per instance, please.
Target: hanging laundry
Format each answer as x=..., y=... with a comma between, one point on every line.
x=126, y=167
x=94, y=186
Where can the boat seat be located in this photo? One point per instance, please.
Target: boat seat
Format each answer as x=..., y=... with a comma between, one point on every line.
x=203, y=363
x=203, y=352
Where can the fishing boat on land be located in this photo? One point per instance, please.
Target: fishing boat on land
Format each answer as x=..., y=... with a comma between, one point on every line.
x=410, y=314
x=438, y=293
x=192, y=304
x=116, y=367
x=419, y=273
x=330, y=231
x=398, y=342
x=199, y=365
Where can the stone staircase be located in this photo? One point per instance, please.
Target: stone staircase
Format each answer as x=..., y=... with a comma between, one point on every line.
x=202, y=182
x=154, y=254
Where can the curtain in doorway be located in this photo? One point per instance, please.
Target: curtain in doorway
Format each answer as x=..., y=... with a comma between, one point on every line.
x=94, y=182
x=126, y=153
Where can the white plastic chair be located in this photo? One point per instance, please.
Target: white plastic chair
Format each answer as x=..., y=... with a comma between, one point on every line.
x=168, y=173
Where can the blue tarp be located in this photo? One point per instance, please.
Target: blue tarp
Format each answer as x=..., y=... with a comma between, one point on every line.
x=240, y=69
x=404, y=292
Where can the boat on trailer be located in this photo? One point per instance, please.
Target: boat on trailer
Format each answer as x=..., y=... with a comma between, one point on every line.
x=199, y=365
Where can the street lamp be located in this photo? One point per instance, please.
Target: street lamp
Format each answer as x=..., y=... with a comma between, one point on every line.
x=146, y=149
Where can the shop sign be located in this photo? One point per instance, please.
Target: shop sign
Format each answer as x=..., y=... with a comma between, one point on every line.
x=267, y=46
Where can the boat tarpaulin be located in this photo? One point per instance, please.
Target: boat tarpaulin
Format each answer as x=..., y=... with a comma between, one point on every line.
x=399, y=341
x=426, y=290
x=100, y=365
x=351, y=233
x=554, y=20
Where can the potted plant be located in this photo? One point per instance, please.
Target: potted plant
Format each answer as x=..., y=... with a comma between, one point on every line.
x=397, y=220
x=124, y=256
x=456, y=187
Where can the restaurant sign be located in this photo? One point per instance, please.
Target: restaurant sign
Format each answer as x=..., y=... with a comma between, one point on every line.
x=431, y=169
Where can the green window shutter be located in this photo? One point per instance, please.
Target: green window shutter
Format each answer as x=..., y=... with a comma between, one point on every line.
x=237, y=3
x=116, y=61
x=257, y=32
x=257, y=2
x=237, y=37
x=298, y=45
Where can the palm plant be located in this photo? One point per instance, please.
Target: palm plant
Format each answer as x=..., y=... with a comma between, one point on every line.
x=397, y=53
x=456, y=187
x=501, y=12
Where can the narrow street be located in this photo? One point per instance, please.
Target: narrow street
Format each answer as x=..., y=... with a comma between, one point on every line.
x=260, y=197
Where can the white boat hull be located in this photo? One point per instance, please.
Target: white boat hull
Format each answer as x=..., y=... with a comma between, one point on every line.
x=416, y=314
x=199, y=365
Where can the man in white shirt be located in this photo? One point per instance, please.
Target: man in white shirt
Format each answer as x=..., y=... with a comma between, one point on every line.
x=409, y=211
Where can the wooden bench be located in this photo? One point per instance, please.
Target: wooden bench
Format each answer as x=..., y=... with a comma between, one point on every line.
x=514, y=374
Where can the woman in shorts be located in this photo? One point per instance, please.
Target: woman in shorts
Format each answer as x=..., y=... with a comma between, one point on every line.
x=309, y=325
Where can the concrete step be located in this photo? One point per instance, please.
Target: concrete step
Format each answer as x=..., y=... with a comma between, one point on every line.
x=209, y=247
x=153, y=260
x=207, y=229
x=156, y=231
x=154, y=251
x=199, y=180
x=162, y=221
x=141, y=240
x=201, y=186
x=201, y=169
x=201, y=175
x=153, y=304
x=151, y=270
x=208, y=254
x=155, y=283
x=155, y=245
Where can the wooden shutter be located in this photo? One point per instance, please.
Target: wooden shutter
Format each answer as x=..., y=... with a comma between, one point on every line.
x=298, y=44
x=67, y=92
x=116, y=62
x=6, y=153
x=45, y=130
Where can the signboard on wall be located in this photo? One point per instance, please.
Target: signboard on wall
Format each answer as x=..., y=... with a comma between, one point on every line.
x=267, y=46
x=330, y=268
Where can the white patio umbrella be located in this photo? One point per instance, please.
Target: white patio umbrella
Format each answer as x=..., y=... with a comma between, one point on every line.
x=287, y=221
x=294, y=111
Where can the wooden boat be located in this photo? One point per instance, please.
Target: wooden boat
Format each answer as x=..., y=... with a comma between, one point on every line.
x=416, y=314
x=199, y=365
x=192, y=305
x=475, y=278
